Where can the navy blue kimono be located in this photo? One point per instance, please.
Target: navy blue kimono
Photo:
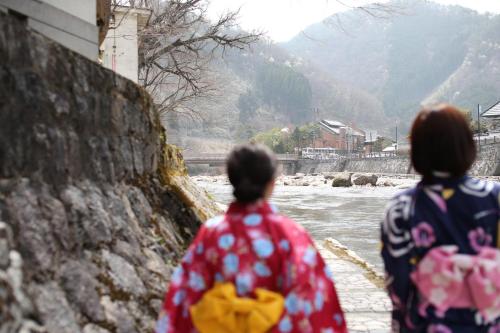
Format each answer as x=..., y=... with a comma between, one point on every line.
x=462, y=212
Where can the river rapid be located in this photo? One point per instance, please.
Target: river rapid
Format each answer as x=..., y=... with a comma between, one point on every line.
x=349, y=215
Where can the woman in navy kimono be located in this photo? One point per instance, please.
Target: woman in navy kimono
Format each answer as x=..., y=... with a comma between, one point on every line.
x=441, y=238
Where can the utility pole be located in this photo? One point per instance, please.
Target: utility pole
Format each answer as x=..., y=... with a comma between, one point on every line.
x=479, y=127
x=396, y=139
x=371, y=143
x=346, y=143
x=315, y=119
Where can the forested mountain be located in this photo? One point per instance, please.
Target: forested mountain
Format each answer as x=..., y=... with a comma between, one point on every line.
x=370, y=72
x=430, y=53
x=267, y=88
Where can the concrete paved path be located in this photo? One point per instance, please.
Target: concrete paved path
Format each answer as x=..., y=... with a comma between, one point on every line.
x=366, y=305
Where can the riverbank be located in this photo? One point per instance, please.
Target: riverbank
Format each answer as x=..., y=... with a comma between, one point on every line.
x=326, y=179
x=362, y=297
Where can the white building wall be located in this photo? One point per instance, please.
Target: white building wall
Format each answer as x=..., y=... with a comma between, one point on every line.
x=83, y=9
x=71, y=23
x=121, y=46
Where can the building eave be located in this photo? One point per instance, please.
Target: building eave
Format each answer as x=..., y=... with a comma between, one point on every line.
x=143, y=14
x=493, y=112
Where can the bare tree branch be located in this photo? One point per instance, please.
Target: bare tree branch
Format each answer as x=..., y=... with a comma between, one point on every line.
x=375, y=10
x=177, y=47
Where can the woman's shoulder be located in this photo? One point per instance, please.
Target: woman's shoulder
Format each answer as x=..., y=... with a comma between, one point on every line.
x=402, y=202
x=396, y=228
x=286, y=228
x=253, y=219
x=398, y=213
x=480, y=188
x=213, y=224
x=286, y=223
x=213, y=227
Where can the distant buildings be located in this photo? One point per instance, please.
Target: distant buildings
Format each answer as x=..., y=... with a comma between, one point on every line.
x=119, y=52
x=371, y=138
x=334, y=134
x=493, y=112
x=349, y=139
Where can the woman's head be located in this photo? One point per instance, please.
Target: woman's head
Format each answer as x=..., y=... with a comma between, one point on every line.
x=251, y=169
x=442, y=141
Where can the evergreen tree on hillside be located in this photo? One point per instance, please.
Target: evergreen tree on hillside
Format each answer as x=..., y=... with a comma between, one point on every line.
x=431, y=53
x=286, y=90
x=247, y=104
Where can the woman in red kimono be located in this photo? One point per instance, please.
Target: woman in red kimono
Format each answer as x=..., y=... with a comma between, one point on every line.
x=251, y=270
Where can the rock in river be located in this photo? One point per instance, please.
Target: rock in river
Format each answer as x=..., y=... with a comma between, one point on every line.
x=342, y=180
x=364, y=179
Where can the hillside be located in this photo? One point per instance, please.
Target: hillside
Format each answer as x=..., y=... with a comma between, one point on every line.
x=369, y=72
x=267, y=88
x=430, y=53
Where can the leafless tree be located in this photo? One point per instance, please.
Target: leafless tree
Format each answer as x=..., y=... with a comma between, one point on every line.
x=374, y=10
x=179, y=43
x=177, y=47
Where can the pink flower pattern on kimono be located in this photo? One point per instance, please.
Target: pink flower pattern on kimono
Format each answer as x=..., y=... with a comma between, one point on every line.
x=495, y=329
x=424, y=218
x=479, y=238
x=423, y=235
x=439, y=328
x=447, y=279
x=396, y=301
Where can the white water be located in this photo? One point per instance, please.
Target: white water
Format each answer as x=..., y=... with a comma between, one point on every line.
x=350, y=215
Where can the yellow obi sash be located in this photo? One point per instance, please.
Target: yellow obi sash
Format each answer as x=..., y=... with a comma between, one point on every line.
x=222, y=311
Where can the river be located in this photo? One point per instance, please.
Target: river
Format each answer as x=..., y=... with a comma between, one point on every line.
x=350, y=215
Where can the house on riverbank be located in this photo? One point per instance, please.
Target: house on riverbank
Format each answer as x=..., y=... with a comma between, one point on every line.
x=335, y=134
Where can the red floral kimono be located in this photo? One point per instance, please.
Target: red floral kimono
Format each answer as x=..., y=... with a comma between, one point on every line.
x=254, y=247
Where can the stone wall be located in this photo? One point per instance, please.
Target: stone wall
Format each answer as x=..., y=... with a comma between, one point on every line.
x=398, y=165
x=487, y=164
x=314, y=166
x=95, y=209
x=378, y=165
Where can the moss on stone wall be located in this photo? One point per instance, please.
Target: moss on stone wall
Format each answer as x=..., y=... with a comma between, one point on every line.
x=174, y=173
x=95, y=208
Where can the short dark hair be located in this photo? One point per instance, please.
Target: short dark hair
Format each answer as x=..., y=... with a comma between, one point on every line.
x=442, y=140
x=250, y=168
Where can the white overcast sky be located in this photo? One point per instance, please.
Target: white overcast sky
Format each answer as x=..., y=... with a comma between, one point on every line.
x=283, y=19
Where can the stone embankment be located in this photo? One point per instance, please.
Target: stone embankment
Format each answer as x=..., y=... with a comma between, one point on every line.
x=487, y=164
x=360, y=289
x=95, y=208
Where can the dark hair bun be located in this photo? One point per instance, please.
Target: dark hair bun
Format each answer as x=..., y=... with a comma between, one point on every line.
x=250, y=169
x=245, y=191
